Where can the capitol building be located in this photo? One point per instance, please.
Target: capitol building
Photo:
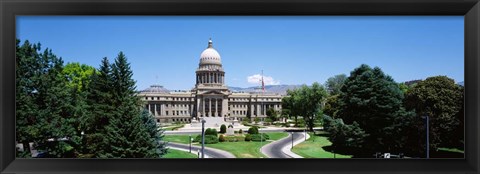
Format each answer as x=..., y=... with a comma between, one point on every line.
x=209, y=99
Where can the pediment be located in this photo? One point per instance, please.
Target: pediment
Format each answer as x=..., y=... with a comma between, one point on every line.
x=213, y=92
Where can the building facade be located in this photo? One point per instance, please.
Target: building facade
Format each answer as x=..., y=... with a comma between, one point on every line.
x=210, y=98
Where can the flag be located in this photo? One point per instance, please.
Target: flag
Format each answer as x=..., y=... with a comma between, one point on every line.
x=263, y=84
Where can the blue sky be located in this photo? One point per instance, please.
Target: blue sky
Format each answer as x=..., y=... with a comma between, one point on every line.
x=290, y=50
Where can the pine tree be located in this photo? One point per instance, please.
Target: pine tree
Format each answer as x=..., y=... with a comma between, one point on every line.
x=127, y=134
x=158, y=147
x=374, y=101
x=26, y=109
x=100, y=109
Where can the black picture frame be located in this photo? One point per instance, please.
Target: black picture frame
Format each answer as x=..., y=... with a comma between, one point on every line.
x=470, y=9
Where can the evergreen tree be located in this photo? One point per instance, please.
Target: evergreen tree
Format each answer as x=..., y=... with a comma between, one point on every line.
x=100, y=109
x=158, y=147
x=374, y=101
x=127, y=136
x=25, y=81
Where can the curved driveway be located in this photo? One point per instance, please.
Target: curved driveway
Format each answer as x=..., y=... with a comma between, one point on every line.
x=274, y=149
x=210, y=152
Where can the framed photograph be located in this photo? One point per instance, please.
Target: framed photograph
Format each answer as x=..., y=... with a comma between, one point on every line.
x=240, y=86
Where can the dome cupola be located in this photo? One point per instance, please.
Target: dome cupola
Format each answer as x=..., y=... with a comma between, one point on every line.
x=210, y=56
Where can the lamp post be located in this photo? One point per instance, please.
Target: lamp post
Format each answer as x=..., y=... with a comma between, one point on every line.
x=305, y=132
x=190, y=149
x=292, y=139
x=261, y=137
x=203, y=138
x=83, y=142
x=313, y=130
x=427, y=136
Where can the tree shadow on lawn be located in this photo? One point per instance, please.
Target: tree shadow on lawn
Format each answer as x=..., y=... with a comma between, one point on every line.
x=446, y=154
x=342, y=151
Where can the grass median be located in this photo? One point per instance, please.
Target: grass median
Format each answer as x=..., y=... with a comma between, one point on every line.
x=173, y=153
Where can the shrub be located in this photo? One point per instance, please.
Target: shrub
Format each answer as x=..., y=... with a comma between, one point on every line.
x=240, y=131
x=248, y=137
x=257, y=120
x=223, y=129
x=211, y=132
x=221, y=138
x=268, y=120
x=234, y=138
x=259, y=137
x=253, y=130
x=209, y=139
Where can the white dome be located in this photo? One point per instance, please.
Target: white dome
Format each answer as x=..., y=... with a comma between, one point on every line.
x=210, y=56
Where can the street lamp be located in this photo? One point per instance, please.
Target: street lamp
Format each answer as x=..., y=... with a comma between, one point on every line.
x=261, y=137
x=83, y=142
x=190, y=150
x=427, y=137
x=292, y=139
x=203, y=138
x=305, y=132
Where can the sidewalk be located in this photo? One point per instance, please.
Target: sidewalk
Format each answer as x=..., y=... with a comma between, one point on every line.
x=287, y=149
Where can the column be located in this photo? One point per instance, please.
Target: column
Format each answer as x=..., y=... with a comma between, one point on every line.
x=210, y=107
x=251, y=110
x=203, y=105
x=259, y=109
x=155, y=107
x=149, y=109
x=216, y=107
x=264, y=109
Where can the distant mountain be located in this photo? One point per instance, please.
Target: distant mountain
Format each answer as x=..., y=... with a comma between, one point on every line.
x=280, y=89
x=462, y=83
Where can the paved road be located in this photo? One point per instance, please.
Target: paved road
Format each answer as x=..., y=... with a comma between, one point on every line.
x=210, y=152
x=274, y=149
x=200, y=131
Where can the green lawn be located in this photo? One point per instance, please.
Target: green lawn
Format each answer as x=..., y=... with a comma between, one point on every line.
x=312, y=148
x=173, y=153
x=178, y=138
x=451, y=150
x=173, y=127
x=240, y=149
x=247, y=149
x=277, y=135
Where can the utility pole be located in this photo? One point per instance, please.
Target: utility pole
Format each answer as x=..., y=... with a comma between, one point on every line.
x=203, y=138
x=428, y=138
x=292, y=139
